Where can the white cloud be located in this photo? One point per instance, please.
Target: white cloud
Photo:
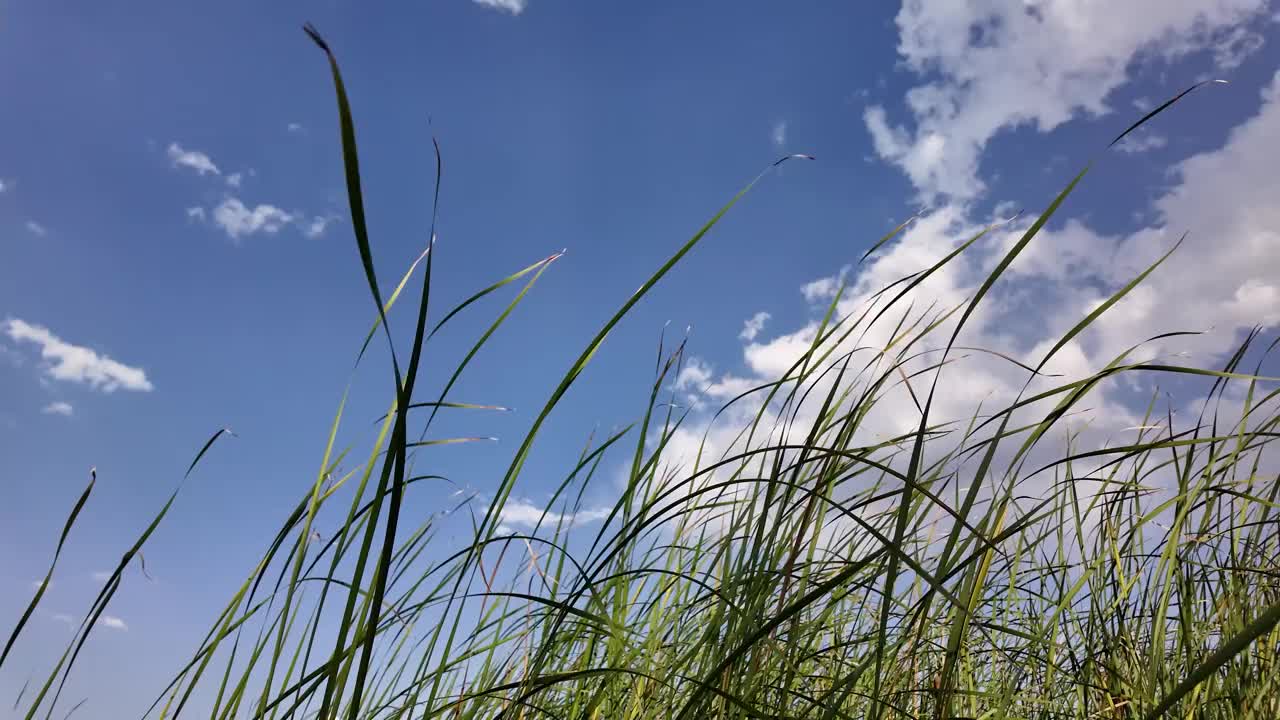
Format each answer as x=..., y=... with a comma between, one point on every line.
x=234, y=179
x=779, y=134
x=58, y=408
x=64, y=618
x=4, y=185
x=754, y=324
x=998, y=64
x=77, y=364
x=294, y=127
x=196, y=213
x=113, y=622
x=239, y=221
x=515, y=7
x=36, y=228
x=194, y=159
x=823, y=289
x=100, y=575
x=694, y=375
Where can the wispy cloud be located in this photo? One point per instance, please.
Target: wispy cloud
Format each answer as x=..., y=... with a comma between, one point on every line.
x=317, y=226
x=526, y=515
x=515, y=7
x=754, y=324
x=36, y=228
x=58, y=408
x=234, y=179
x=779, y=134
x=10, y=356
x=196, y=213
x=113, y=622
x=67, y=362
x=106, y=621
x=5, y=184
x=1231, y=52
x=1141, y=142
x=238, y=220
x=100, y=575
x=194, y=159
x=294, y=127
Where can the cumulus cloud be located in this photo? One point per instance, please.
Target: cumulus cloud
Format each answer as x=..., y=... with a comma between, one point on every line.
x=515, y=7
x=193, y=159
x=67, y=362
x=238, y=220
x=824, y=288
x=1007, y=63
x=36, y=228
x=694, y=375
x=754, y=324
x=58, y=408
x=1224, y=275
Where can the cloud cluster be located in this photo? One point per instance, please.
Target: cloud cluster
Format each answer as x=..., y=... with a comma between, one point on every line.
x=232, y=215
x=998, y=64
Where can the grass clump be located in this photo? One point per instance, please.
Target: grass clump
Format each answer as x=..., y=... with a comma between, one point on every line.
x=1001, y=565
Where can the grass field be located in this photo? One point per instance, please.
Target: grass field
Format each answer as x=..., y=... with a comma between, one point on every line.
x=999, y=565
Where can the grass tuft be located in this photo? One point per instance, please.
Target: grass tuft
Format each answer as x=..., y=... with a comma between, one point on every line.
x=1004, y=564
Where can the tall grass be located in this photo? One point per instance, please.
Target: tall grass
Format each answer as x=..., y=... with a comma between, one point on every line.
x=993, y=567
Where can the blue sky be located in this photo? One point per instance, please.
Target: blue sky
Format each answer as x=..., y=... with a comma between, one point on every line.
x=177, y=256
